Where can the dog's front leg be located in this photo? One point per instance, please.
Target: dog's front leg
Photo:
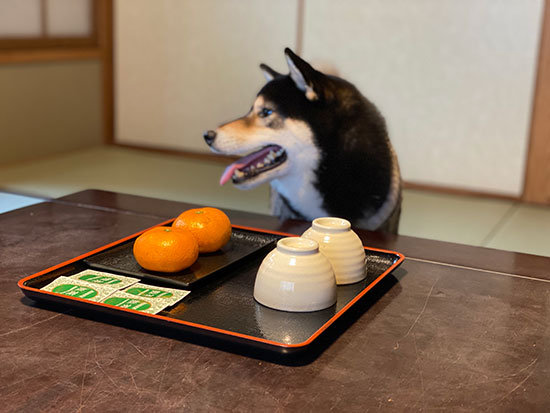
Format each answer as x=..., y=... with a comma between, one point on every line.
x=277, y=205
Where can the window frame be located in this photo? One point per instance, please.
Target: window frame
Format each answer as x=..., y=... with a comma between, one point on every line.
x=45, y=41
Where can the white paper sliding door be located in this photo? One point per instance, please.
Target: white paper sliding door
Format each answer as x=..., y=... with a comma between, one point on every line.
x=184, y=66
x=454, y=78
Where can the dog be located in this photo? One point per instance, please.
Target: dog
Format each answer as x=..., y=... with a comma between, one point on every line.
x=322, y=146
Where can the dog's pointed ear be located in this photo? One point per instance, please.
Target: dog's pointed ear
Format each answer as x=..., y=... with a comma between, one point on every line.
x=303, y=75
x=269, y=73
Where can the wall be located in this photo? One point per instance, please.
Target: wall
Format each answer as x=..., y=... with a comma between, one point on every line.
x=48, y=108
x=184, y=66
x=454, y=78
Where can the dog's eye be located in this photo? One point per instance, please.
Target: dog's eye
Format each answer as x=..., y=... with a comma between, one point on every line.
x=265, y=112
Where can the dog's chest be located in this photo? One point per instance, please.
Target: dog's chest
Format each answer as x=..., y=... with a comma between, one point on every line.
x=302, y=195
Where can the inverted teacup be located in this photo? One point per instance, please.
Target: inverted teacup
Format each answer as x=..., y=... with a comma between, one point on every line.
x=341, y=246
x=295, y=276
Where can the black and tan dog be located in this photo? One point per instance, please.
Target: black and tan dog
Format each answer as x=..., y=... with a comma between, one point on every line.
x=320, y=143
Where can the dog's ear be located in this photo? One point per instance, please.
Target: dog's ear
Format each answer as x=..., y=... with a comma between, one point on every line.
x=269, y=73
x=306, y=78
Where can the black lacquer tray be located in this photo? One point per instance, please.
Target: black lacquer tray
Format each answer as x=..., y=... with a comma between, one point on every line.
x=220, y=310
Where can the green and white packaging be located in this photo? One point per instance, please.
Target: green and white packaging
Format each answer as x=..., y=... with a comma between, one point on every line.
x=107, y=288
x=73, y=287
x=114, y=281
x=168, y=296
x=132, y=302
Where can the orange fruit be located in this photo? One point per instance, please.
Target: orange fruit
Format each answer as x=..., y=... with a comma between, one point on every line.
x=210, y=226
x=166, y=249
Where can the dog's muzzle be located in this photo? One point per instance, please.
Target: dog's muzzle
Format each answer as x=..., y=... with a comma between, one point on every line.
x=209, y=137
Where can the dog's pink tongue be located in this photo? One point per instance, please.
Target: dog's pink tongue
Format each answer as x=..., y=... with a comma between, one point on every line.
x=245, y=161
x=228, y=173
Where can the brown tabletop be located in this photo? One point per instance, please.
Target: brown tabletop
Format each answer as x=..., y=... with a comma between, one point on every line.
x=459, y=328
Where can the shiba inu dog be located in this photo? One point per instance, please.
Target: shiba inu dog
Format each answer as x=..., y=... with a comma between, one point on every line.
x=322, y=146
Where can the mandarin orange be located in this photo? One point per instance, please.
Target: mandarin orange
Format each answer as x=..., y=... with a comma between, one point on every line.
x=210, y=226
x=166, y=249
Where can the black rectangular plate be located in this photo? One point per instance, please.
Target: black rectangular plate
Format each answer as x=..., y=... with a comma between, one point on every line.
x=222, y=309
x=120, y=259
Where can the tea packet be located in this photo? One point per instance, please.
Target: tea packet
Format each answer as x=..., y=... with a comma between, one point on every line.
x=168, y=296
x=132, y=302
x=73, y=287
x=114, y=281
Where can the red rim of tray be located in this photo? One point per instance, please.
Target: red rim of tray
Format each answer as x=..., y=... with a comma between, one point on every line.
x=21, y=284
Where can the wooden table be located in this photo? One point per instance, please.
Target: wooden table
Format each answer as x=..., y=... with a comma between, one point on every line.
x=460, y=328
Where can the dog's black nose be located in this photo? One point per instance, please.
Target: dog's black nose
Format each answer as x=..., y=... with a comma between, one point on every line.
x=209, y=136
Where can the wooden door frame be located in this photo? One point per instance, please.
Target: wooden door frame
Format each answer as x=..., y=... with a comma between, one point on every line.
x=45, y=48
x=105, y=19
x=536, y=187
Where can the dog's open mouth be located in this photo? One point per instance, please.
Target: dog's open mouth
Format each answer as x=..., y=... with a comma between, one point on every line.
x=254, y=164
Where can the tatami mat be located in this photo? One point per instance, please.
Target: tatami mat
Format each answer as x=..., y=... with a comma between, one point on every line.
x=526, y=230
x=461, y=219
x=134, y=172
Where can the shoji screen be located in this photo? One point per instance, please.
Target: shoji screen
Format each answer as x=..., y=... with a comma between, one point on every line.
x=454, y=78
x=184, y=66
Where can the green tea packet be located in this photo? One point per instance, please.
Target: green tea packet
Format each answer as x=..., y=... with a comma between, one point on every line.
x=132, y=302
x=73, y=287
x=114, y=281
x=168, y=296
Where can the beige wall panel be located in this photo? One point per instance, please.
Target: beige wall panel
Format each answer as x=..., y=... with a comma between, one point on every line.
x=48, y=108
x=20, y=18
x=182, y=67
x=69, y=17
x=454, y=79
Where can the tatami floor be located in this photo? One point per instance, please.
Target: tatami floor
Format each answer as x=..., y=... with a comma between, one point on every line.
x=492, y=223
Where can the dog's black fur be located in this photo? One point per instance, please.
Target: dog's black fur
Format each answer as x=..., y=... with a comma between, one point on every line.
x=356, y=166
x=354, y=174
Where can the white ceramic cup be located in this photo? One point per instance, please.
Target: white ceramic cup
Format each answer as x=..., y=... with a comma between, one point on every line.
x=295, y=276
x=341, y=246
